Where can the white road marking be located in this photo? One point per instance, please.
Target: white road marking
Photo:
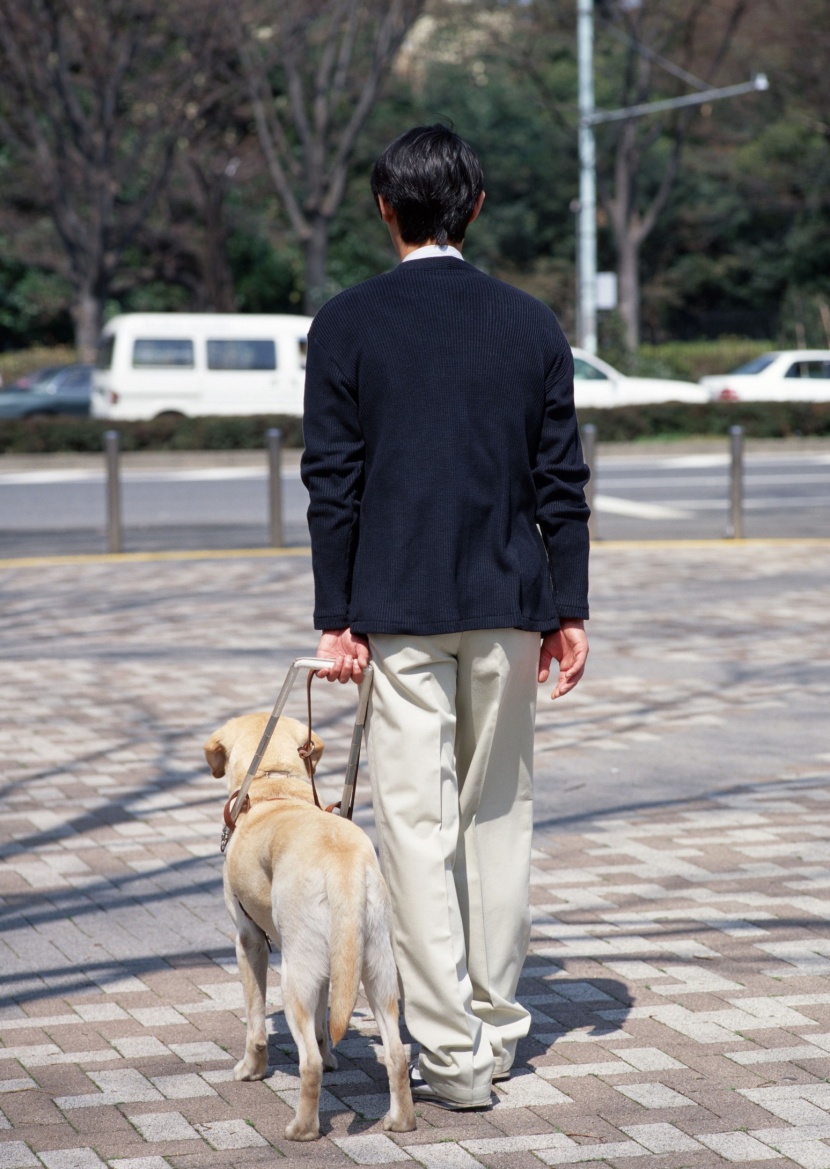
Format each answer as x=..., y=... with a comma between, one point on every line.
x=759, y=503
x=47, y=478
x=692, y=461
x=614, y=505
x=751, y=478
x=192, y=475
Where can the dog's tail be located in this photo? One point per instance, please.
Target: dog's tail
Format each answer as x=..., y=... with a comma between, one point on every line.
x=347, y=905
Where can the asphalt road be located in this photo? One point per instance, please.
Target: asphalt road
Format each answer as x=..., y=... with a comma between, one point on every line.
x=653, y=496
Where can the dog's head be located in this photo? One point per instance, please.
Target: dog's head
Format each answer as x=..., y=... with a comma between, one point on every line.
x=229, y=750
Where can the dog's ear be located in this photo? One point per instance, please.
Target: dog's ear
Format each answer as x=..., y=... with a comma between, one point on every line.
x=318, y=748
x=216, y=755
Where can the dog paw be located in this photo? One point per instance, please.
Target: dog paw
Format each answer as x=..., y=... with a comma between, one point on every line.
x=295, y=1131
x=330, y=1061
x=400, y=1122
x=250, y=1070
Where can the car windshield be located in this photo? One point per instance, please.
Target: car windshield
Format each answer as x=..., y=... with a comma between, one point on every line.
x=587, y=372
x=42, y=377
x=756, y=365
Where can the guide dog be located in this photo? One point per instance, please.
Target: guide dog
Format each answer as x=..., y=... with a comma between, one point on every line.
x=311, y=883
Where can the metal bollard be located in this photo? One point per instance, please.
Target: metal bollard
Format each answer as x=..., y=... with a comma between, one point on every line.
x=111, y=449
x=273, y=439
x=735, y=526
x=589, y=454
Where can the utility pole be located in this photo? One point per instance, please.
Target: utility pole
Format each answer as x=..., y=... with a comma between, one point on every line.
x=589, y=117
x=587, y=216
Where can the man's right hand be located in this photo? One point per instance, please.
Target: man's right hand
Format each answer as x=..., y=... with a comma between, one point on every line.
x=569, y=647
x=350, y=654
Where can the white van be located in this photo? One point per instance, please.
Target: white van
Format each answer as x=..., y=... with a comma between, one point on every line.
x=151, y=364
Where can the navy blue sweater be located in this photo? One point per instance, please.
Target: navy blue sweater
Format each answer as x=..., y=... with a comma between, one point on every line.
x=442, y=457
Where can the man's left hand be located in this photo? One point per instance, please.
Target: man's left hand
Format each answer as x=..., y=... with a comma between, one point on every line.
x=350, y=654
x=569, y=647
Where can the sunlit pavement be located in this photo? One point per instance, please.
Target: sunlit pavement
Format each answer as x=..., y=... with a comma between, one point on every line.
x=679, y=968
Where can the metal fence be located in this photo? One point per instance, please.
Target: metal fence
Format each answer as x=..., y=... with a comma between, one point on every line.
x=276, y=522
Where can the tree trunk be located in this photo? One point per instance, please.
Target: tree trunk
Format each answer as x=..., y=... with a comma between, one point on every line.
x=219, y=290
x=628, y=278
x=211, y=189
x=316, y=256
x=87, y=312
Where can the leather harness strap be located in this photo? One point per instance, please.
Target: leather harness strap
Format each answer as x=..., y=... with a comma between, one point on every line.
x=306, y=752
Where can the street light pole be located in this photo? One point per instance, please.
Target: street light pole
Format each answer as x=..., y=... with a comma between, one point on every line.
x=587, y=224
x=589, y=117
x=758, y=84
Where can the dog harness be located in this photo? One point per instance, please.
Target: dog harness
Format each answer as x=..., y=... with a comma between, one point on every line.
x=240, y=801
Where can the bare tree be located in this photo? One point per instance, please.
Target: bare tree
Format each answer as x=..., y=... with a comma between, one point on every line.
x=314, y=71
x=95, y=98
x=658, y=40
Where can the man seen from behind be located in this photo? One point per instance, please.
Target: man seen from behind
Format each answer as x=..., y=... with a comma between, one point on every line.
x=449, y=542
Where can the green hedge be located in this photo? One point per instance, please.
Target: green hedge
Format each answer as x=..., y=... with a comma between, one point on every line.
x=67, y=434
x=691, y=360
x=672, y=420
x=666, y=420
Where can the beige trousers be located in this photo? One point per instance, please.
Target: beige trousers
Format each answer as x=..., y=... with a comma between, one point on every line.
x=450, y=744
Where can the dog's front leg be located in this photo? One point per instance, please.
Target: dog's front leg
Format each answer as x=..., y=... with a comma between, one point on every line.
x=300, y=1012
x=252, y=957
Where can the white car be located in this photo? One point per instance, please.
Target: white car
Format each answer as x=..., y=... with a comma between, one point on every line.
x=789, y=375
x=596, y=383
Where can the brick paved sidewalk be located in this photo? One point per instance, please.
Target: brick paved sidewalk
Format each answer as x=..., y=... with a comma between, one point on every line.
x=679, y=966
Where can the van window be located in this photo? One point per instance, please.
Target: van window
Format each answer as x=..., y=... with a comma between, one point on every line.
x=162, y=353
x=241, y=354
x=302, y=345
x=105, y=351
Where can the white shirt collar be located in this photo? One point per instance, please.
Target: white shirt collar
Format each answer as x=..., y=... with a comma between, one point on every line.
x=430, y=250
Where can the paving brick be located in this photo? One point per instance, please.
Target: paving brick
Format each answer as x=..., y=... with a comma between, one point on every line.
x=72, y=1159
x=231, y=1134
x=442, y=1156
x=184, y=1087
x=661, y=1138
x=655, y=1096
x=612, y=1151
x=139, y=1163
x=737, y=1146
x=163, y=1126
x=206, y=1052
x=16, y=1155
x=374, y=1149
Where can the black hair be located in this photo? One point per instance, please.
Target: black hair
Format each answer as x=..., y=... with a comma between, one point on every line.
x=432, y=178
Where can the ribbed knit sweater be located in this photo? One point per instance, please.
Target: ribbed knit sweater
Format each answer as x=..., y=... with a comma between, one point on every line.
x=442, y=457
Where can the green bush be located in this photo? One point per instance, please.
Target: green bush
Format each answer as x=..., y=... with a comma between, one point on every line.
x=687, y=360
x=63, y=433
x=672, y=420
x=662, y=420
x=692, y=360
x=22, y=361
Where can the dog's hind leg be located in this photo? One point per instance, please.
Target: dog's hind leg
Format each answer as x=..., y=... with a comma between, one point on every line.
x=301, y=1006
x=252, y=956
x=321, y=1026
x=380, y=982
x=401, y=1114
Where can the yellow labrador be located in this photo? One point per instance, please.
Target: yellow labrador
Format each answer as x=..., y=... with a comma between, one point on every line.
x=311, y=882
